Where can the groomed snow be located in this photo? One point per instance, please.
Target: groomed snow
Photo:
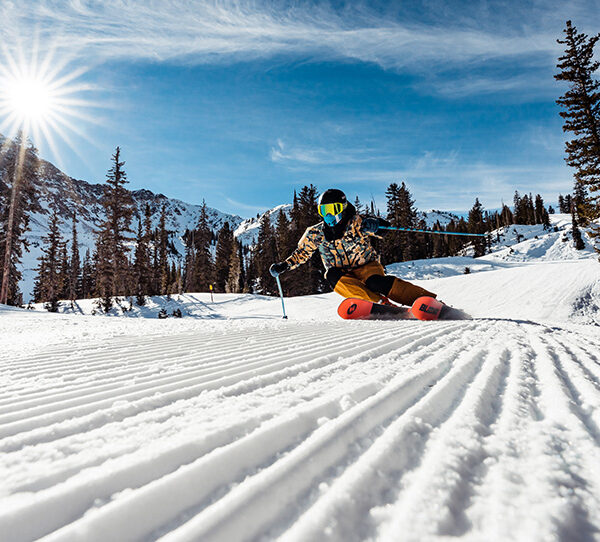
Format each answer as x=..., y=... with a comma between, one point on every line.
x=231, y=424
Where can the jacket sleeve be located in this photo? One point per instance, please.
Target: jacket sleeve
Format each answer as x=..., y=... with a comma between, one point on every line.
x=306, y=247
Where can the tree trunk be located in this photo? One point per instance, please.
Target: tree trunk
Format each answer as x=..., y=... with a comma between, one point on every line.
x=10, y=226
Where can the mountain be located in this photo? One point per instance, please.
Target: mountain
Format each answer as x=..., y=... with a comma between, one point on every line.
x=247, y=231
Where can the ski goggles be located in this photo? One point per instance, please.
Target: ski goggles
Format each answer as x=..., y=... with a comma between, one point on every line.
x=331, y=209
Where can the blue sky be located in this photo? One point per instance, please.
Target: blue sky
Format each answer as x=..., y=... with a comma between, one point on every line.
x=239, y=103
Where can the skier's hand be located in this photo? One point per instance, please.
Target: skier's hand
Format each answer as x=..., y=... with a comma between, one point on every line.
x=370, y=225
x=277, y=268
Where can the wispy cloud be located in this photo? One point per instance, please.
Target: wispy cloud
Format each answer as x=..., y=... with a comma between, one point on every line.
x=206, y=32
x=298, y=156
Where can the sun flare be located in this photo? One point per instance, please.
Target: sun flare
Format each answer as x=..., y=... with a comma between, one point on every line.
x=29, y=98
x=43, y=99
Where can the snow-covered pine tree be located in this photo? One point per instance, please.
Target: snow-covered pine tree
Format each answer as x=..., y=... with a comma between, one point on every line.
x=19, y=173
x=581, y=104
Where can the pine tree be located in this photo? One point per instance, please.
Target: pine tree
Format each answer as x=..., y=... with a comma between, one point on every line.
x=541, y=215
x=234, y=283
x=476, y=225
x=64, y=272
x=141, y=265
x=440, y=246
x=203, y=271
x=104, y=279
x=568, y=204
x=19, y=175
x=284, y=241
x=49, y=285
x=581, y=105
x=577, y=240
x=582, y=214
x=392, y=244
x=561, y=204
x=358, y=205
x=75, y=265
x=401, y=213
x=88, y=273
x=162, y=263
x=118, y=206
x=506, y=216
x=189, y=262
x=223, y=257
x=522, y=214
x=408, y=219
x=265, y=254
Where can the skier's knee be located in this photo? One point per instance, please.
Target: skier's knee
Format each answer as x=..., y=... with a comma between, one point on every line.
x=333, y=276
x=382, y=284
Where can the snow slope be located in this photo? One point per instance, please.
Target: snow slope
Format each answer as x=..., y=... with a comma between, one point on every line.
x=232, y=424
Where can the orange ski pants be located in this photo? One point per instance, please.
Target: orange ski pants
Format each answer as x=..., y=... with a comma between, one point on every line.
x=352, y=284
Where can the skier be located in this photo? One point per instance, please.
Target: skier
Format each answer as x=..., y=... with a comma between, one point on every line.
x=352, y=266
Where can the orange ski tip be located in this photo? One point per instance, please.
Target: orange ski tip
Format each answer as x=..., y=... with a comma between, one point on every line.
x=426, y=308
x=354, y=309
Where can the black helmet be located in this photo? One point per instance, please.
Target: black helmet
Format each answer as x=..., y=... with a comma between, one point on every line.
x=332, y=204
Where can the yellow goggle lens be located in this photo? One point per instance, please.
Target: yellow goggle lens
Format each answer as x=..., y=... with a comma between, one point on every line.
x=331, y=209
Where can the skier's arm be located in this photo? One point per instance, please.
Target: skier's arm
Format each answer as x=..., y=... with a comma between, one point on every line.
x=306, y=248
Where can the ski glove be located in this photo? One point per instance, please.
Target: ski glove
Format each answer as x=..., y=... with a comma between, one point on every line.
x=372, y=225
x=277, y=268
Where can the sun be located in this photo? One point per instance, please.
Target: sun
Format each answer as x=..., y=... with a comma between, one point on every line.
x=44, y=99
x=30, y=99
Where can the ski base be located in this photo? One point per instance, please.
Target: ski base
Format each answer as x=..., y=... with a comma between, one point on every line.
x=361, y=309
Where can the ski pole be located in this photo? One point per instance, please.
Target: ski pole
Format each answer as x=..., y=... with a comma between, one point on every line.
x=432, y=231
x=281, y=295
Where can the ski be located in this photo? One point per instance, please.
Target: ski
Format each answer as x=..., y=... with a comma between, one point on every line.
x=424, y=308
x=361, y=309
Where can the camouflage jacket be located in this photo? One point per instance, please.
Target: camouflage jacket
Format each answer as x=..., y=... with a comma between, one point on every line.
x=352, y=250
